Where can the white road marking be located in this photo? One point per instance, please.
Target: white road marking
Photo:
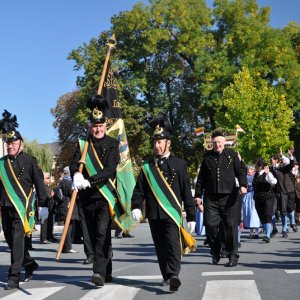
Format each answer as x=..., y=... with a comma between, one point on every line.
x=33, y=293
x=226, y=273
x=231, y=290
x=150, y=277
x=292, y=271
x=109, y=292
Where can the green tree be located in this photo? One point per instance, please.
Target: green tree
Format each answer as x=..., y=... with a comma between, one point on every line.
x=261, y=112
x=42, y=153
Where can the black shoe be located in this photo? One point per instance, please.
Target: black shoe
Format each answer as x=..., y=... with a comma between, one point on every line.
x=127, y=235
x=216, y=258
x=97, y=279
x=294, y=227
x=266, y=239
x=175, y=283
x=88, y=261
x=118, y=236
x=274, y=232
x=233, y=261
x=108, y=278
x=11, y=284
x=223, y=253
x=29, y=271
x=284, y=234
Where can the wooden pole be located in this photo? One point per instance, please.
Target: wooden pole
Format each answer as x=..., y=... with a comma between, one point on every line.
x=111, y=43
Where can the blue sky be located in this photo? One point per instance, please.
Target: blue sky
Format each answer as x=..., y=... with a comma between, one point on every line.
x=35, y=39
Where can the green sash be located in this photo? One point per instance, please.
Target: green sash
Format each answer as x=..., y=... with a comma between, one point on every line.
x=168, y=201
x=23, y=204
x=117, y=212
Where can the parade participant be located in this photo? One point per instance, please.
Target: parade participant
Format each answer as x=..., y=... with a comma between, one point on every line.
x=47, y=227
x=216, y=181
x=94, y=187
x=264, y=196
x=19, y=173
x=250, y=217
x=164, y=184
x=281, y=169
x=65, y=185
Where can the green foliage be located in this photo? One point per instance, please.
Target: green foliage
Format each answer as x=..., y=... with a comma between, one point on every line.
x=261, y=112
x=42, y=153
x=183, y=57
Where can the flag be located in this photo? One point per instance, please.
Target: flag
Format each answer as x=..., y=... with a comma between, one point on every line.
x=238, y=128
x=125, y=175
x=199, y=131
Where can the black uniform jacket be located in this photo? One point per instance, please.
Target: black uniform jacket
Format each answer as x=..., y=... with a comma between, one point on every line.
x=175, y=173
x=283, y=175
x=27, y=170
x=218, y=172
x=107, y=150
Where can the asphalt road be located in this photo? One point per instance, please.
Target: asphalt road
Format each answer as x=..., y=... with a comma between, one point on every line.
x=265, y=271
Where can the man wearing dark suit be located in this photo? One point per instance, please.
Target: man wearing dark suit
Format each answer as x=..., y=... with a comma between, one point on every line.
x=217, y=183
x=19, y=172
x=164, y=185
x=99, y=170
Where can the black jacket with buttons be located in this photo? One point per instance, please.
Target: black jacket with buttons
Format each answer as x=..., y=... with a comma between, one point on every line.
x=218, y=172
x=175, y=173
x=29, y=175
x=107, y=150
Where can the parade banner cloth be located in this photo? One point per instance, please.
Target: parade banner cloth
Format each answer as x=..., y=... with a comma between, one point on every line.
x=116, y=129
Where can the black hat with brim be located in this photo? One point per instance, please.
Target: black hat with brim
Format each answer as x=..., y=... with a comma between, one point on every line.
x=216, y=134
x=13, y=136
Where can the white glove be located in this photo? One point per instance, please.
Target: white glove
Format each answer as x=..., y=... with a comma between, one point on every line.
x=79, y=182
x=136, y=214
x=43, y=214
x=191, y=226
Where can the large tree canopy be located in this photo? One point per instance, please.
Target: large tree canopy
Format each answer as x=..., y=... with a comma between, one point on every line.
x=182, y=56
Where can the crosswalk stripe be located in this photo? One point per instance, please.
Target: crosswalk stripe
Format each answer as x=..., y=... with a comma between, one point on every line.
x=150, y=277
x=292, y=271
x=231, y=289
x=226, y=273
x=33, y=293
x=109, y=292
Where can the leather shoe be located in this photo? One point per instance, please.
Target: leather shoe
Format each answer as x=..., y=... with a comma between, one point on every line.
x=127, y=235
x=216, y=258
x=88, y=261
x=294, y=227
x=29, y=271
x=11, y=284
x=233, y=261
x=175, y=283
x=97, y=279
x=70, y=251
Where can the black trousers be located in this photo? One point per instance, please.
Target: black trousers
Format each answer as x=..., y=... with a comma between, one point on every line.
x=265, y=208
x=14, y=234
x=47, y=228
x=87, y=244
x=167, y=245
x=225, y=208
x=98, y=223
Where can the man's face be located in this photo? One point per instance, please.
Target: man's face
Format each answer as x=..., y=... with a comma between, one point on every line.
x=219, y=143
x=98, y=130
x=13, y=147
x=161, y=147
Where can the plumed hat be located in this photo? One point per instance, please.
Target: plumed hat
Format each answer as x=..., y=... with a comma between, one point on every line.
x=97, y=105
x=161, y=127
x=8, y=126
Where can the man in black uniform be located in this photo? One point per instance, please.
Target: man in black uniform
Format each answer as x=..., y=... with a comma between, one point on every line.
x=95, y=187
x=164, y=184
x=19, y=172
x=217, y=182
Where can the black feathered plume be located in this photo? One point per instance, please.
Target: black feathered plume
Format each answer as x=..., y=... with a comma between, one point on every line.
x=163, y=121
x=8, y=123
x=96, y=101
